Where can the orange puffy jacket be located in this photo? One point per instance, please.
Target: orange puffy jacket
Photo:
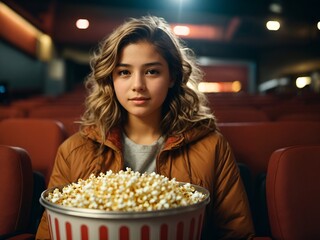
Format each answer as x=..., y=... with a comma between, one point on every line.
x=198, y=156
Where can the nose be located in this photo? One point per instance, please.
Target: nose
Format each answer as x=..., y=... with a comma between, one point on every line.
x=138, y=84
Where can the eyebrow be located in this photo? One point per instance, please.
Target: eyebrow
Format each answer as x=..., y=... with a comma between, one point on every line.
x=145, y=65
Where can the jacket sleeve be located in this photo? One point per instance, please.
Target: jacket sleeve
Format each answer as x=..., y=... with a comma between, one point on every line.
x=231, y=211
x=58, y=178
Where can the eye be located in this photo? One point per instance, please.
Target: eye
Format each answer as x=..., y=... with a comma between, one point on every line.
x=152, y=72
x=123, y=72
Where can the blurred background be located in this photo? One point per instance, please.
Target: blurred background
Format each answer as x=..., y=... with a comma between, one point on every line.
x=261, y=60
x=244, y=46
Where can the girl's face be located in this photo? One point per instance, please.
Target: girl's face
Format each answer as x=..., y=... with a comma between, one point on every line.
x=141, y=80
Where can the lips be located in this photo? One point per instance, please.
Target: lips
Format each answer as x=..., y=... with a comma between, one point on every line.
x=139, y=100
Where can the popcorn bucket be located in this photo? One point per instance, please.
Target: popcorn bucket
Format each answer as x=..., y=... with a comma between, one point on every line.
x=181, y=223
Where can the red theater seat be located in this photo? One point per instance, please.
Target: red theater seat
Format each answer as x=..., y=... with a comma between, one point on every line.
x=57, y=111
x=68, y=115
x=11, y=112
x=312, y=116
x=240, y=115
x=293, y=193
x=40, y=137
x=16, y=190
x=253, y=144
x=71, y=125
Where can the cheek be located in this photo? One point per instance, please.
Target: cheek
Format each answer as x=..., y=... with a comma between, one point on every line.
x=160, y=91
x=119, y=86
x=119, y=89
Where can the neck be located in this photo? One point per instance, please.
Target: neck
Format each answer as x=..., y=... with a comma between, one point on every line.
x=142, y=131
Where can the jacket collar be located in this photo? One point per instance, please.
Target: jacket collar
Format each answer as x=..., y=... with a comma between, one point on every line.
x=113, y=138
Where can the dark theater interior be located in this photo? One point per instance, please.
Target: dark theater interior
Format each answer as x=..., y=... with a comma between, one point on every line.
x=261, y=64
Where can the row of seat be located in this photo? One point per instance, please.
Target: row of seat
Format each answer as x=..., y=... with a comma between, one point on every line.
x=258, y=101
x=253, y=107
x=292, y=193
x=69, y=115
x=40, y=125
x=227, y=107
x=252, y=143
x=252, y=136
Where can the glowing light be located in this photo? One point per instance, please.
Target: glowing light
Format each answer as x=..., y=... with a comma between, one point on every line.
x=236, y=86
x=82, y=23
x=318, y=25
x=193, y=31
x=301, y=82
x=45, y=48
x=181, y=30
x=208, y=87
x=273, y=25
x=2, y=89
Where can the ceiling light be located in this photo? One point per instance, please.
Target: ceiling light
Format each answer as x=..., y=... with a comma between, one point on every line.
x=301, y=82
x=181, y=30
x=82, y=23
x=193, y=31
x=273, y=25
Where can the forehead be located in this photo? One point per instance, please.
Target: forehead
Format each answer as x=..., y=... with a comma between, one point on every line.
x=140, y=51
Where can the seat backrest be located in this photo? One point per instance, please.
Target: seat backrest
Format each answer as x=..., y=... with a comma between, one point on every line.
x=70, y=123
x=308, y=116
x=293, y=192
x=10, y=112
x=227, y=115
x=16, y=189
x=27, y=104
x=253, y=143
x=39, y=137
x=57, y=111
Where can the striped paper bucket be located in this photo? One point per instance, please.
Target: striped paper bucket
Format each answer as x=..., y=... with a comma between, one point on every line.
x=182, y=223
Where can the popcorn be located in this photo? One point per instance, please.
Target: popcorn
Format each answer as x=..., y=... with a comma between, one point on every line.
x=126, y=191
